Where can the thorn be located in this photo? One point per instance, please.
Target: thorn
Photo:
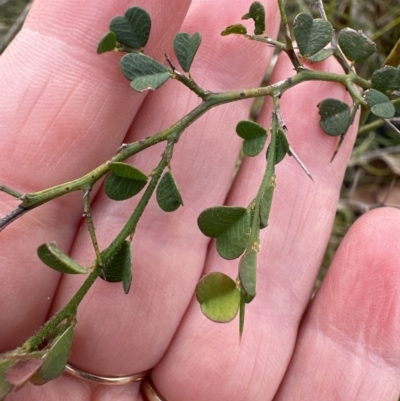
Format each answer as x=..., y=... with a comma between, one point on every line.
x=337, y=148
x=302, y=165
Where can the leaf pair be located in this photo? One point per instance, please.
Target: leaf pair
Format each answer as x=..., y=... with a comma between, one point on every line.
x=131, y=30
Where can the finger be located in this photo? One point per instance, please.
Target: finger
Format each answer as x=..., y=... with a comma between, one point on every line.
x=347, y=345
x=291, y=252
x=64, y=111
x=119, y=334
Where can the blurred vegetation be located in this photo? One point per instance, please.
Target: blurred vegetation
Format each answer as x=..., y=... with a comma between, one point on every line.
x=371, y=177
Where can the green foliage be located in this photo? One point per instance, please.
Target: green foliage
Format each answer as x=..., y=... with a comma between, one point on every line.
x=107, y=43
x=257, y=13
x=312, y=35
x=237, y=29
x=124, y=182
x=56, y=358
x=168, y=196
x=5, y=385
x=335, y=116
x=218, y=296
x=355, y=45
x=119, y=267
x=254, y=136
x=380, y=104
x=230, y=225
x=185, y=48
x=320, y=56
x=53, y=257
x=281, y=145
x=144, y=72
x=132, y=29
x=265, y=206
x=248, y=274
x=386, y=79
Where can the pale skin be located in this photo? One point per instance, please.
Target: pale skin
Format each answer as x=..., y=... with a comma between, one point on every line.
x=65, y=110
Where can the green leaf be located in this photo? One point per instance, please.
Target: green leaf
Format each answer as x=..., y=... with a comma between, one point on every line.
x=53, y=257
x=185, y=48
x=56, y=358
x=312, y=35
x=257, y=13
x=281, y=146
x=248, y=274
x=5, y=385
x=119, y=267
x=237, y=29
x=266, y=203
x=107, y=43
x=320, y=56
x=133, y=29
x=168, y=196
x=335, y=116
x=230, y=225
x=218, y=296
x=380, y=104
x=355, y=45
x=254, y=136
x=386, y=79
x=143, y=71
x=124, y=182
x=127, y=171
x=242, y=310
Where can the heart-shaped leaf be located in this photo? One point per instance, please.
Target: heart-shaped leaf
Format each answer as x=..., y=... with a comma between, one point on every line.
x=124, y=182
x=335, y=116
x=168, y=196
x=56, y=358
x=320, y=56
x=133, y=29
x=266, y=203
x=107, y=43
x=380, y=104
x=254, y=136
x=143, y=71
x=218, y=296
x=355, y=45
x=248, y=274
x=119, y=267
x=185, y=48
x=230, y=225
x=55, y=258
x=312, y=35
x=386, y=79
x=257, y=13
x=281, y=146
x=237, y=29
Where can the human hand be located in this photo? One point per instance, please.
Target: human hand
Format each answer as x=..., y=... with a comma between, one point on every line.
x=65, y=110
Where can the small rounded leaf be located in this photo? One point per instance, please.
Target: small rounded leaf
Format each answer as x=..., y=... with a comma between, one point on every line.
x=127, y=171
x=218, y=296
x=237, y=29
x=257, y=13
x=124, y=182
x=386, y=79
x=254, y=136
x=355, y=45
x=230, y=225
x=143, y=71
x=248, y=274
x=118, y=268
x=379, y=103
x=335, y=116
x=266, y=203
x=281, y=146
x=132, y=29
x=53, y=257
x=312, y=35
x=168, y=196
x=107, y=43
x=185, y=48
x=56, y=358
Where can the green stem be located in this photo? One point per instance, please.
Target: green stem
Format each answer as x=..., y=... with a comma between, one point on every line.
x=11, y=192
